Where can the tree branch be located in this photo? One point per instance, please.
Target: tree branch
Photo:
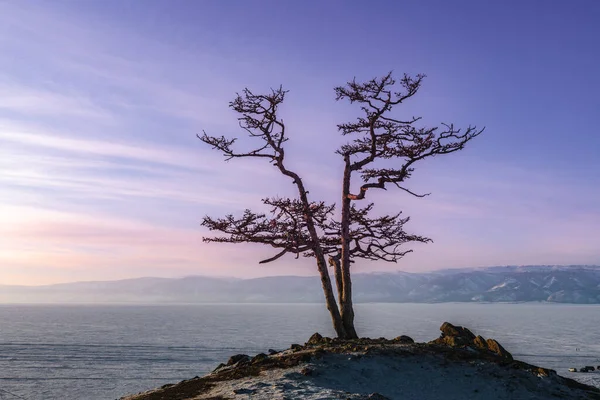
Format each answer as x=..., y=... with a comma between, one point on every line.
x=387, y=137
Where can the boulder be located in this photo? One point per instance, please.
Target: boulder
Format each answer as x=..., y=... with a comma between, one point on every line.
x=403, y=339
x=219, y=367
x=453, y=341
x=539, y=371
x=315, y=339
x=497, y=348
x=457, y=331
x=296, y=347
x=458, y=336
x=259, y=358
x=237, y=358
x=480, y=342
x=454, y=336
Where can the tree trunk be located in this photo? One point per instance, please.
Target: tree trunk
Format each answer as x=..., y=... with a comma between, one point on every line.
x=334, y=311
x=346, y=307
x=338, y=323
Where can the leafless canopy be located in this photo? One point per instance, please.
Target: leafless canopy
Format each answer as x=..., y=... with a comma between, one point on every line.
x=285, y=229
x=300, y=226
x=376, y=238
x=384, y=137
x=380, y=136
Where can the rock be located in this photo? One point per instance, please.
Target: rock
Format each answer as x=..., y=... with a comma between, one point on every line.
x=404, y=339
x=316, y=338
x=237, y=358
x=446, y=340
x=539, y=371
x=480, y=342
x=219, y=367
x=271, y=352
x=307, y=371
x=497, y=348
x=458, y=336
x=457, y=331
x=296, y=347
x=259, y=358
x=454, y=336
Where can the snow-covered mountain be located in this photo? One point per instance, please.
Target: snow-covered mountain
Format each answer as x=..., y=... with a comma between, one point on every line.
x=561, y=284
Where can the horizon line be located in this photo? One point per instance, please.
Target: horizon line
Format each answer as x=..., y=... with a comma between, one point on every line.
x=309, y=276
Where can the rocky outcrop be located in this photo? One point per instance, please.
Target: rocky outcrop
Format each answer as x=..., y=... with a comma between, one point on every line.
x=458, y=336
x=316, y=338
x=457, y=365
x=497, y=348
x=480, y=342
x=458, y=331
x=455, y=336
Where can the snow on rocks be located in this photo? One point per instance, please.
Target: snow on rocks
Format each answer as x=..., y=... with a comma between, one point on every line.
x=378, y=369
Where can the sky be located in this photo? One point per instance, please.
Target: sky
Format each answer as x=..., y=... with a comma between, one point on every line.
x=102, y=176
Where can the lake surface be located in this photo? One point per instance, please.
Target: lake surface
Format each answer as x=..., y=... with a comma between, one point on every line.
x=103, y=352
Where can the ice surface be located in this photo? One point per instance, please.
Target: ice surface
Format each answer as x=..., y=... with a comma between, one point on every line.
x=102, y=352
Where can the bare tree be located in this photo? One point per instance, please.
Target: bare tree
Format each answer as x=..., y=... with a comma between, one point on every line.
x=300, y=226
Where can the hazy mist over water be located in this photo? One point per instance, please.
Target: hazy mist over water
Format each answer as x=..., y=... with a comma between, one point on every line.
x=102, y=352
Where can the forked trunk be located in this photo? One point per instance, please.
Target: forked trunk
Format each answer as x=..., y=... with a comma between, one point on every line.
x=338, y=323
x=334, y=311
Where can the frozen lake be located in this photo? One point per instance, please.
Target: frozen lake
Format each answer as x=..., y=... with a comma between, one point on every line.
x=103, y=352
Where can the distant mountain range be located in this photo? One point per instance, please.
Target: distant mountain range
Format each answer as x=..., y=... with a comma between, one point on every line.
x=559, y=284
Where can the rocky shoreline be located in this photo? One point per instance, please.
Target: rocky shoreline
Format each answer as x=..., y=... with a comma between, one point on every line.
x=457, y=365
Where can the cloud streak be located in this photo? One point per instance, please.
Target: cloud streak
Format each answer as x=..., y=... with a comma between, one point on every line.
x=101, y=176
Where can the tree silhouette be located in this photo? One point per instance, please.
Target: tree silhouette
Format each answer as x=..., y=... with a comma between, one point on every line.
x=300, y=226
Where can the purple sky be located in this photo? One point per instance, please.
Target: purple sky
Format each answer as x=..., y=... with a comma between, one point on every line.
x=101, y=176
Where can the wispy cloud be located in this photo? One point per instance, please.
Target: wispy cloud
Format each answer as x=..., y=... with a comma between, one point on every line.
x=101, y=175
x=26, y=101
